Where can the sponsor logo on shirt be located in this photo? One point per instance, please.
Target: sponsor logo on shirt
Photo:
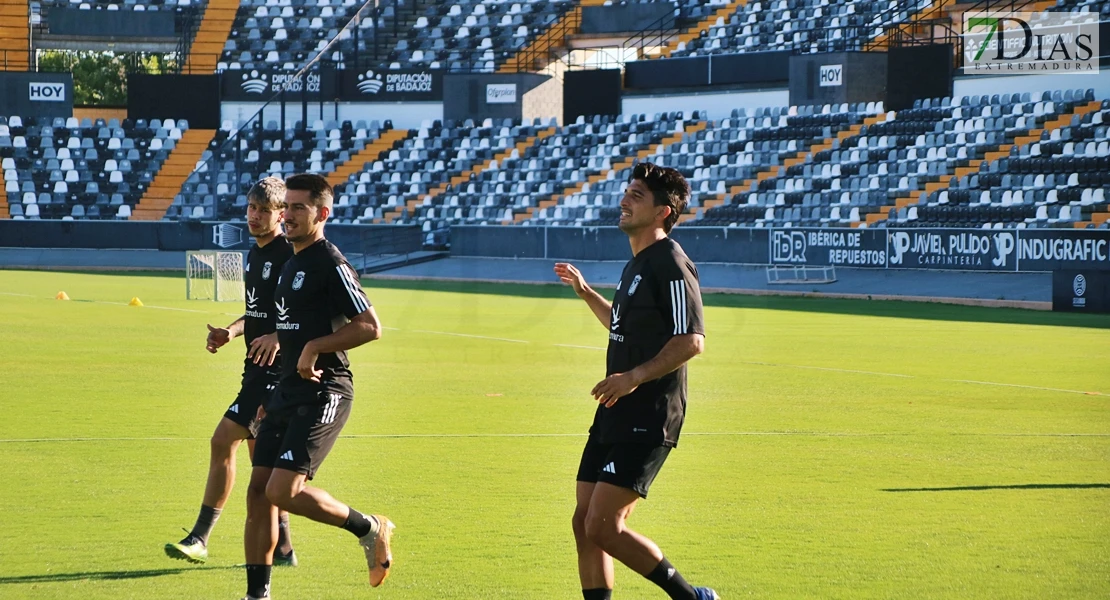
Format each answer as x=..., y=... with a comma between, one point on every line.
x=615, y=322
x=252, y=303
x=283, y=316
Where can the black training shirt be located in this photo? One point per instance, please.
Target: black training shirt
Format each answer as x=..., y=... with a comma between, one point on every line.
x=318, y=293
x=260, y=279
x=658, y=297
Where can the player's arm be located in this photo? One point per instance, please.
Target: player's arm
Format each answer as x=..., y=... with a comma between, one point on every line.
x=598, y=304
x=363, y=328
x=346, y=297
x=675, y=353
x=677, y=294
x=220, y=336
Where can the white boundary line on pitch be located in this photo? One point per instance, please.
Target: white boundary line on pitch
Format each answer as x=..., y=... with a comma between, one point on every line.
x=762, y=364
x=108, y=302
x=881, y=374
x=1028, y=387
x=468, y=335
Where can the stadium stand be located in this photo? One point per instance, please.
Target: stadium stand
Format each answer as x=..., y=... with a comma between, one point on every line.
x=154, y=5
x=1003, y=160
x=65, y=168
x=225, y=170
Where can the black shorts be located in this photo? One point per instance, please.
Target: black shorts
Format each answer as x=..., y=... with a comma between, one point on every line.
x=256, y=391
x=630, y=465
x=299, y=437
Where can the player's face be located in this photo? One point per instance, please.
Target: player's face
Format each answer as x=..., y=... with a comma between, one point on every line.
x=261, y=219
x=302, y=218
x=638, y=210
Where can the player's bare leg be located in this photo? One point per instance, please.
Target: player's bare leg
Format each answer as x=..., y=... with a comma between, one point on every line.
x=288, y=490
x=221, y=477
x=609, y=508
x=221, y=462
x=595, y=567
x=260, y=534
x=283, y=552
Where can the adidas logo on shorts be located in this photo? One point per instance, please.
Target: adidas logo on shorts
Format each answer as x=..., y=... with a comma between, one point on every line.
x=287, y=456
x=234, y=408
x=610, y=468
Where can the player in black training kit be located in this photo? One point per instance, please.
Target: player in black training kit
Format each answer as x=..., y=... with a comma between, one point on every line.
x=321, y=313
x=264, y=205
x=655, y=326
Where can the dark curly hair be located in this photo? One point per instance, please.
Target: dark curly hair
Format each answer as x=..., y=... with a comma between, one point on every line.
x=668, y=188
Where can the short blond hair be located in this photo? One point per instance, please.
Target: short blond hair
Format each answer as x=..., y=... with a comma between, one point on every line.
x=269, y=192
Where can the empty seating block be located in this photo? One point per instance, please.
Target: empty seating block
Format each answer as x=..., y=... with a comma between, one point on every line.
x=82, y=169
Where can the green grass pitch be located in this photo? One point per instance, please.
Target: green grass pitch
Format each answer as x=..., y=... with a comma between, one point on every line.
x=833, y=449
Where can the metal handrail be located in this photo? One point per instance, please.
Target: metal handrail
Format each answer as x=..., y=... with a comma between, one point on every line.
x=655, y=31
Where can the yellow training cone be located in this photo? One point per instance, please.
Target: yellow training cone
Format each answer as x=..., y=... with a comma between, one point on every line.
x=135, y=302
x=62, y=296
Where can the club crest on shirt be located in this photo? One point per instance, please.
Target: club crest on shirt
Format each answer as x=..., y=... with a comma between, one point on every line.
x=298, y=280
x=635, y=284
x=266, y=270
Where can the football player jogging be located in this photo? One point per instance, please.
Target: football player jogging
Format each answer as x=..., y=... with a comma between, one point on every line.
x=321, y=313
x=655, y=327
x=260, y=376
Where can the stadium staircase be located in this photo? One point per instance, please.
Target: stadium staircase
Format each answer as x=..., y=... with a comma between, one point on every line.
x=693, y=32
x=376, y=150
x=499, y=158
x=14, y=35
x=626, y=162
x=373, y=151
x=177, y=168
x=211, y=37
x=943, y=182
x=4, y=213
x=779, y=170
x=544, y=48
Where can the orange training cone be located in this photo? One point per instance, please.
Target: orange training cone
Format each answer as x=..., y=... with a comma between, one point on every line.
x=62, y=296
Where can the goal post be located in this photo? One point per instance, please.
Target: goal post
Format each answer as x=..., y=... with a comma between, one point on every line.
x=214, y=275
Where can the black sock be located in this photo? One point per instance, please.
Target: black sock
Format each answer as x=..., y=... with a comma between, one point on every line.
x=358, y=523
x=284, y=545
x=258, y=581
x=205, y=521
x=667, y=577
x=597, y=594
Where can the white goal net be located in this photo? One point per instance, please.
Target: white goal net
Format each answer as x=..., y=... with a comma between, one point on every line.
x=213, y=275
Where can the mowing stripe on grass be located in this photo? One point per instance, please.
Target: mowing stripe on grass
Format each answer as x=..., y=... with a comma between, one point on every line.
x=755, y=363
x=366, y=436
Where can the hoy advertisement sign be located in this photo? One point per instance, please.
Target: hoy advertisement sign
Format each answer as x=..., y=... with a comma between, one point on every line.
x=47, y=92
x=1000, y=43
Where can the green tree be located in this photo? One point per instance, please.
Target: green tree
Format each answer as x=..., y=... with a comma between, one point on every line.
x=100, y=78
